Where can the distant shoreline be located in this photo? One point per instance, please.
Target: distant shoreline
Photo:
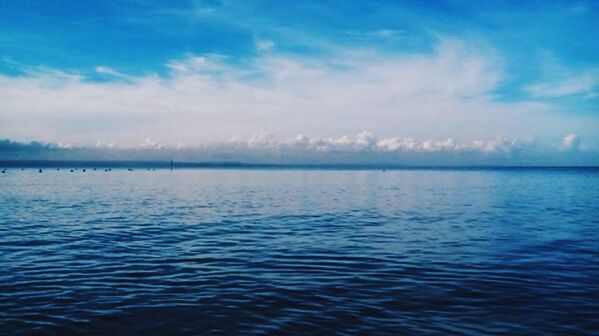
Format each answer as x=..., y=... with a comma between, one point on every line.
x=268, y=166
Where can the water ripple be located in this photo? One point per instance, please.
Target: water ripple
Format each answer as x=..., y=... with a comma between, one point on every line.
x=299, y=252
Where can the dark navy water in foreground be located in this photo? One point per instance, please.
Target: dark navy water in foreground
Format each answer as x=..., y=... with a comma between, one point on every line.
x=208, y=251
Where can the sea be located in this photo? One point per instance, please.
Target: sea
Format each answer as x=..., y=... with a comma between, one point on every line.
x=299, y=251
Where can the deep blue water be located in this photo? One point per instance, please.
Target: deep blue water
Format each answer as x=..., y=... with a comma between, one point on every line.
x=209, y=251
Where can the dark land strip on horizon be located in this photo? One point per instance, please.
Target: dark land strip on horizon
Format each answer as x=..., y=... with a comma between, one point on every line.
x=4, y=164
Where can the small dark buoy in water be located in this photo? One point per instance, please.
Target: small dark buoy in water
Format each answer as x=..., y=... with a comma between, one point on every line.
x=39, y=171
x=94, y=168
x=57, y=169
x=3, y=171
x=84, y=170
x=130, y=169
x=72, y=170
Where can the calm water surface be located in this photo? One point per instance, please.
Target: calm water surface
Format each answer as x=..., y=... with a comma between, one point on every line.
x=299, y=252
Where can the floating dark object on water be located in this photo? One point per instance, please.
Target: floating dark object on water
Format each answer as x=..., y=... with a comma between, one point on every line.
x=130, y=169
x=84, y=170
x=57, y=169
x=3, y=171
x=39, y=171
x=94, y=168
x=72, y=170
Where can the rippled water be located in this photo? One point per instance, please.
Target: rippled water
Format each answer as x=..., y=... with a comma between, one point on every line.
x=299, y=252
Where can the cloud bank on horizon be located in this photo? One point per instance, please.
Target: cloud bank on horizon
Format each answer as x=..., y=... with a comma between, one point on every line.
x=444, y=82
x=364, y=148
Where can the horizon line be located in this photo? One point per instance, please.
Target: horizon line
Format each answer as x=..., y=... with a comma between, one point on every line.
x=166, y=164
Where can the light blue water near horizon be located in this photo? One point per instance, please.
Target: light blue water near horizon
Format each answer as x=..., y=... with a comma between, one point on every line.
x=216, y=251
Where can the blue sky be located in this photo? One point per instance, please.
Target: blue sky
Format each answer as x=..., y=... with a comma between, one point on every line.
x=190, y=73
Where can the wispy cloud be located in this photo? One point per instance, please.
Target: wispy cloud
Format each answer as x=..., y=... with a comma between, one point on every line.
x=583, y=84
x=385, y=33
x=264, y=45
x=112, y=73
x=579, y=9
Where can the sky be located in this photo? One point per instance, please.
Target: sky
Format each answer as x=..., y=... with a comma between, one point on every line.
x=502, y=82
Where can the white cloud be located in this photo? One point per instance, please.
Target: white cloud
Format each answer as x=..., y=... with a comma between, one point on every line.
x=572, y=85
x=206, y=99
x=149, y=144
x=108, y=71
x=368, y=142
x=102, y=144
x=261, y=139
x=264, y=45
x=361, y=142
x=571, y=142
x=362, y=148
